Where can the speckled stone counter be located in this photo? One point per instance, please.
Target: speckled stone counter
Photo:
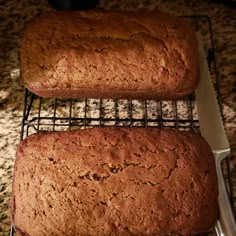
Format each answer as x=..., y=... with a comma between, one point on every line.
x=15, y=14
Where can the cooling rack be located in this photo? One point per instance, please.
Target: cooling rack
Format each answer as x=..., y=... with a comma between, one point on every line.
x=42, y=115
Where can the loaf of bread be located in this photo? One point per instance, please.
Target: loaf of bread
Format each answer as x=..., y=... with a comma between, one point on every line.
x=114, y=181
x=103, y=54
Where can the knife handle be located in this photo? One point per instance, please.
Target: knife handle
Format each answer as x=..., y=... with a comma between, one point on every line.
x=227, y=221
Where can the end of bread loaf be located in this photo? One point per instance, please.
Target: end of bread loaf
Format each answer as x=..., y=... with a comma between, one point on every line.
x=138, y=55
x=115, y=181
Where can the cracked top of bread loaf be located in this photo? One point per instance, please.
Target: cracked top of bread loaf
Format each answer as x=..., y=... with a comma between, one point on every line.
x=110, y=54
x=114, y=181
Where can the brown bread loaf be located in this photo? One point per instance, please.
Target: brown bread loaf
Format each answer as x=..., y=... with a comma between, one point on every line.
x=104, y=54
x=114, y=181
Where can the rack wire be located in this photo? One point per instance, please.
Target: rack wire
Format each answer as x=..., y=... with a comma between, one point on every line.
x=42, y=115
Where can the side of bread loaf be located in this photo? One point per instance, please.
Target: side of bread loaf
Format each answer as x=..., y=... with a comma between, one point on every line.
x=107, y=181
x=104, y=54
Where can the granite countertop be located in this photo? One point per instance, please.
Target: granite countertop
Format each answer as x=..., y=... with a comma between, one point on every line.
x=15, y=14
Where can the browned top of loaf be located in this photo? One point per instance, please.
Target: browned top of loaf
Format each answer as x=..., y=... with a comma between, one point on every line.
x=109, y=54
x=108, y=181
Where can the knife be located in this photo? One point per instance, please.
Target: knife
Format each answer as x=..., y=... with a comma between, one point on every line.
x=212, y=129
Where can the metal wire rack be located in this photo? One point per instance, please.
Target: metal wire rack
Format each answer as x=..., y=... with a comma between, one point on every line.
x=41, y=115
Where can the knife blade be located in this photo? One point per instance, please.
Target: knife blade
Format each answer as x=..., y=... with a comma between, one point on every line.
x=212, y=129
